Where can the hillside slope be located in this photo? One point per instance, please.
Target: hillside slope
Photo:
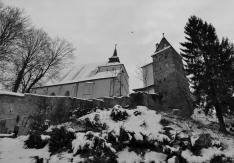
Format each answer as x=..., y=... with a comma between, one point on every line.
x=122, y=135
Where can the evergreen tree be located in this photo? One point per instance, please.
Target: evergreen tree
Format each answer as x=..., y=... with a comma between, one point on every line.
x=209, y=65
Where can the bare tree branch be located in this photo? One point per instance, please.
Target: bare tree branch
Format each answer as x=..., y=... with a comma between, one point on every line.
x=12, y=25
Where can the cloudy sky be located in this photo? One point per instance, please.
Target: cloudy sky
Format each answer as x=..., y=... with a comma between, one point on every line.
x=94, y=26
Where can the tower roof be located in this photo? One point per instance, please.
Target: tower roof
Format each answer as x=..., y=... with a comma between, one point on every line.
x=114, y=58
x=163, y=44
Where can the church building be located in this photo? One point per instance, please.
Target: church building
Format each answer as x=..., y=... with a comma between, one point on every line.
x=106, y=79
x=165, y=76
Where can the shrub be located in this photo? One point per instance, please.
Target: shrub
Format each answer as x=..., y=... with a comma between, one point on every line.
x=38, y=159
x=35, y=141
x=136, y=113
x=39, y=123
x=111, y=138
x=123, y=135
x=204, y=141
x=118, y=114
x=164, y=122
x=79, y=112
x=95, y=125
x=94, y=147
x=221, y=159
x=61, y=140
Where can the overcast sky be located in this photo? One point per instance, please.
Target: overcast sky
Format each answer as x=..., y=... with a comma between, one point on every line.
x=94, y=26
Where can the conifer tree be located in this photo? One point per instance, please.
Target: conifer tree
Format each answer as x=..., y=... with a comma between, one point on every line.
x=209, y=66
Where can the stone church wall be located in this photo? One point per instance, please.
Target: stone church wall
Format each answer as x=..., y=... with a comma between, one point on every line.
x=58, y=109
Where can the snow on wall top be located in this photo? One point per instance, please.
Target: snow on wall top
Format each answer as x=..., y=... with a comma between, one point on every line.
x=3, y=92
x=85, y=72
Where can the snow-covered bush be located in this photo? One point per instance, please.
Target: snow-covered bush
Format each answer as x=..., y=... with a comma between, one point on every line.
x=221, y=159
x=79, y=112
x=136, y=128
x=124, y=136
x=91, y=145
x=164, y=122
x=35, y=140
x=61, y=140
x=139, y=135
x=118, y=113
x=94, y=125
x=39, y=123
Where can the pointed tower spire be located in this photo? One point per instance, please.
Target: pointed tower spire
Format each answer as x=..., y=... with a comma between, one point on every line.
x=115, y=51
x=114, y=58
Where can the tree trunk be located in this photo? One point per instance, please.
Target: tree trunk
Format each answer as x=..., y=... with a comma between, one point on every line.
x=219, y=109
x=34, y=82
x=219, y=115
x=19, y=79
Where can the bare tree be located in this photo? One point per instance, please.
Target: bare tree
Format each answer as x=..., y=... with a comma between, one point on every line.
x=12, y=25
x=31, y=46
x=37, y=57
x=56, y=56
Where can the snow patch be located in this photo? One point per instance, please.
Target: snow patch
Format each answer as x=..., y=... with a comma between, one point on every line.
x=126, y=156
x=206, y=155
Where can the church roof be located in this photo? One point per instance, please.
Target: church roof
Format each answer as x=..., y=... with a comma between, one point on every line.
x=85, y=72
x=88, y=72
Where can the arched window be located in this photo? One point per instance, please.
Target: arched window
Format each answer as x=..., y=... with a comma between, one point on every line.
x=67, y=93
x=52, y=94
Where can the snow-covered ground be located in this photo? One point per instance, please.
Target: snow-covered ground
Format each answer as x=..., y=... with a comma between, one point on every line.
x=134, y=135
x=13, y=151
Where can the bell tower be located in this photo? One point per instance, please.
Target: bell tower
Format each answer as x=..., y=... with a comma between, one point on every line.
x=170, y=80
x=114, y=58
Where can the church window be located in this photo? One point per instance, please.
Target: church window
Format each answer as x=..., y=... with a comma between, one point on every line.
x=67, y=93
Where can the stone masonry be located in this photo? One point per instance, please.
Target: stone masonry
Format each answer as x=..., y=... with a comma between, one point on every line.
x=170, y=80
x=27, y=107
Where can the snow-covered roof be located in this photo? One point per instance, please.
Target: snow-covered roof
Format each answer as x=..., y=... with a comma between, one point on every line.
x=85, y=72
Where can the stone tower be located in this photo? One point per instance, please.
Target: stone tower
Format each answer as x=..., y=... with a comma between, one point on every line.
x=170, y=80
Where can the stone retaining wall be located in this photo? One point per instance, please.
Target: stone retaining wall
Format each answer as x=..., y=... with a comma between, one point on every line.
x=59, y=109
